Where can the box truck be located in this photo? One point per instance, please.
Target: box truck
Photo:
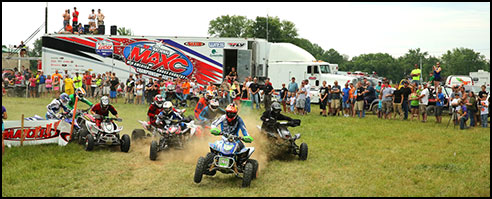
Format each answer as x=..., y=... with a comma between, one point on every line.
x=208, y=59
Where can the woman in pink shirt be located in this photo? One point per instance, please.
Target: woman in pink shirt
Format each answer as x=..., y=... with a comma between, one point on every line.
x=32, y=86
x=48, y=83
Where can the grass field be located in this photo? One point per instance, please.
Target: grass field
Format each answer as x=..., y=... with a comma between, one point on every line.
x=347, y=157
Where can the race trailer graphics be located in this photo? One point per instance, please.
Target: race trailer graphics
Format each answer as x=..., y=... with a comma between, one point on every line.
x=123, y=55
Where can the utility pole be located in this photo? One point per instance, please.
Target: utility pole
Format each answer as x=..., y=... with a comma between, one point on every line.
x=46, y=19
x=267, y=28
x=421, y=79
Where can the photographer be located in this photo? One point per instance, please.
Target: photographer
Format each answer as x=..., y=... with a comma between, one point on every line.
x=462, y=115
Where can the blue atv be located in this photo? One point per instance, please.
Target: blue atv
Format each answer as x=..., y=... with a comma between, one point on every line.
x=226, y=157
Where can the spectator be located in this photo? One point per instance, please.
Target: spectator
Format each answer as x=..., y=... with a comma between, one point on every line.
x=397, y=103
x=437, y=74
x=22, y=48
x=415, y=75
x=439, y=105
x=462, y=115
x=307, y=108
x=244, y=90
x=292, y=101
x=387, y=104
x=335, y=98
x=100, y=18
x=250, y=96
x=139, y=92
x=329, y=100
x=284, y=97
x=41, y=81
x=471, y=106
x=143, y=83
x=87, y=83
x=405, y=92
x=179, y=91
x=424, y=101
x=225, y=87
x=301, y=98
x=293, y=87
x=359, y=103
x=57, y=79
x=75, y=19
x=323, y=98
x=19, y=84
x=112, y=92
x=49, y=85
x=378, y=88
x=80, y=29
x=414, y=103
x=484, y=111
x=346, y=100
x=237, y=93
x=254, y=89
x=92, y=22
x=4, y=116
x=66, y=19
x=77, y=80
x=483, y=92
x=130, y=89
x=267, y=93
x=149, y=90
x=233, y=74
x=186, y=86
x=352, y=96
x=99, y=87
x=93, y=85
x=106, y=79
x=32, y=86
x=69, y=85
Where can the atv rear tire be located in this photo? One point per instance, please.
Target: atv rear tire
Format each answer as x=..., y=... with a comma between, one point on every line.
x=199, y=170
x=125, y=143
x=138, y=134
x=153, y=150
x=209, y=159
x=83, y=132
x=255, y=167
x=248, y=174
x=303, y=151
x=89, y=142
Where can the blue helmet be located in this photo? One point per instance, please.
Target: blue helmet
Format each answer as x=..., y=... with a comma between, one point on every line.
x=64, y=98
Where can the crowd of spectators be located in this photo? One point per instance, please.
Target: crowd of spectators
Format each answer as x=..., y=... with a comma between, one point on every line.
x=77, y=27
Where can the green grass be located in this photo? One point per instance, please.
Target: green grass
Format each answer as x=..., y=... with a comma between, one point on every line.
x=347, y=157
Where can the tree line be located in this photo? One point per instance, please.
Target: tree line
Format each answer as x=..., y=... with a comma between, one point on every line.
x=457, y=61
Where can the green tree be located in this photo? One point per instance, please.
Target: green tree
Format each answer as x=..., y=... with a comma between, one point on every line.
x=462, y=61
x=278, y=31
x=381, y=63
x=411, y=58
x=230, y=26
x=35, y=52
x=332, y=56
x=124, y=31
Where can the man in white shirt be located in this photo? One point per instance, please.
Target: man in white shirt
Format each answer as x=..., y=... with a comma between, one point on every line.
x=424, y=101
x=307, y=107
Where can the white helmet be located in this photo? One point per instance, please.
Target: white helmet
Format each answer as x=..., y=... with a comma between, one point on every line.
x=104, y=101
x=213, y=105
x=167, y=107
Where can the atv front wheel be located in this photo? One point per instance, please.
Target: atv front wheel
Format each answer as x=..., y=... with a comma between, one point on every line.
x=89, y=142
x=153, y=150
x=137, y=134
x=248, y=174
x=255, y=167
x=83, y=132
x=209, y=159
x=199, y=170
x=303, y=151
x=125, y=143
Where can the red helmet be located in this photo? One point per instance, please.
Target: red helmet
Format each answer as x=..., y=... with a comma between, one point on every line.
x=158, y=101
x=231, y=112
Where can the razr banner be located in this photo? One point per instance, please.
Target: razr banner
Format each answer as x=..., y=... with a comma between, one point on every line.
x=36, y=132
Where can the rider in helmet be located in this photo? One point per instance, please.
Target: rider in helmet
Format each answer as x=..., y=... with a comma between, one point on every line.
x=103, y=108
x=231, y=123
x=169, y=113
x=79, y=93
x=271, y=116
x=56, y=104
x=211, y=111
x=155, y=108
x=202, y=103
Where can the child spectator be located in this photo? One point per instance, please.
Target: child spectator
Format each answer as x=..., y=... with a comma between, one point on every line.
x=32, y=86
x=48, y=83
x=484, y=111
x=292, y=102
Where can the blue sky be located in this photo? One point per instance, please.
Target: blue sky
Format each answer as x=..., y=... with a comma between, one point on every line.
x=350, y=28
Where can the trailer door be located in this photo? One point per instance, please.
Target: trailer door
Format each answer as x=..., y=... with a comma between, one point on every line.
x=243, y=64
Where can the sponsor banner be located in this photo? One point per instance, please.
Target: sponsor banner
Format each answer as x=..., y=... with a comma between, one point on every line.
x=155, y=58
x=216, y=44
x=236, y=45
x=37, y=132
x=104, y=48
x=214, y=53
x=194, y=44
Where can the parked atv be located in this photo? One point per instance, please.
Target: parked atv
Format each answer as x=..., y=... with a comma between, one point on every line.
x=283, y=138
x=224, y=156
x=108, y=134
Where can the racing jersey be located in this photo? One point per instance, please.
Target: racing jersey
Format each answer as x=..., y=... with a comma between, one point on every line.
x=268, y=125
x=202, y=103
x=227, y=128
x=104, y=112
x=173, y=116
x=153, y=112
x=71, y=103
x=54, y=107
x=208, y=114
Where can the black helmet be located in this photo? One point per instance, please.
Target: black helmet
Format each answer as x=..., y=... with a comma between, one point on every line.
x=276, y=108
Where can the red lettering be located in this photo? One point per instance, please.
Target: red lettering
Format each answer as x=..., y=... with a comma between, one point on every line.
x=48, y=130
x=8, y=133
x=17, y=134
x=154, y=58
x=136, y=56
x=164, y=62
x=176, y=61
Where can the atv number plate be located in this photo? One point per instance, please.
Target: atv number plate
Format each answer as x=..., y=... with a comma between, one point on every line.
x=223, y=162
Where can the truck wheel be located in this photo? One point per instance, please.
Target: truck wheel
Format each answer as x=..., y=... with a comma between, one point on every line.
x=153, y=150
x=255, y=167
x=89, y=142
x=209, y=159
x=125, y=143
x=83, y=132
x=303, y=151
x=137, y=134
x=248, y=174
x=199, y=170
x=430, y=110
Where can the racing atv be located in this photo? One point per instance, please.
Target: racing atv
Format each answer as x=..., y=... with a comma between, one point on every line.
x=283, y=138
x=224, y=156
x=108, y=134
